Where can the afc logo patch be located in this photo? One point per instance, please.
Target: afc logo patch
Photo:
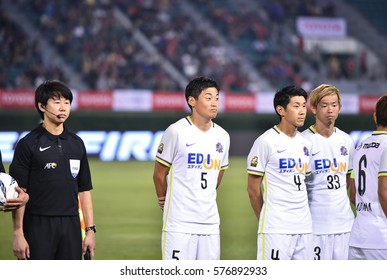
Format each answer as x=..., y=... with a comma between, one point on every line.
x=50, y=165
x=160, y=149
x=254, y=161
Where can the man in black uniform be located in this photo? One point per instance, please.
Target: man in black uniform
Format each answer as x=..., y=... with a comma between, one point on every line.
x=51, y=164
x=13, y=203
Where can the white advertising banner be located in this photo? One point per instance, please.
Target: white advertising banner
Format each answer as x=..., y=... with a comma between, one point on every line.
x=132, y=100
x=321, y=27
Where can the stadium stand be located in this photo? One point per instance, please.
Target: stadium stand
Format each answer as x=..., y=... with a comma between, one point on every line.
x=21, y=64
x=246, y=45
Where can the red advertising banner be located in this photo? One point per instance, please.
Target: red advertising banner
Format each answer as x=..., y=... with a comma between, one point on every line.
x=367, y=104
x=239, y=102
x=99, y=100
x=148, y=101
x=169, y=101
x=17, y=99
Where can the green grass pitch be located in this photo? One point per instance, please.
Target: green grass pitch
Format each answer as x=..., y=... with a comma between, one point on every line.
x=129, y=221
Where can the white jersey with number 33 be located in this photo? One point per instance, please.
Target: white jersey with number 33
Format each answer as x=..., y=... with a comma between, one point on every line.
x=327, y=185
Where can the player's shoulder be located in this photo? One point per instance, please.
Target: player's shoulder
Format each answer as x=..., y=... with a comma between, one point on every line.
x=303, y=139
x=341, y=132
x=308, y=132
x=268, y=137
x=220, y=129
x=178, y=125
x=271, y=132
x=343, y=135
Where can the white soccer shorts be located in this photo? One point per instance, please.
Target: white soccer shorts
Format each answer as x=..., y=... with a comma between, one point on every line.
x=186, y=246
x=272, y=246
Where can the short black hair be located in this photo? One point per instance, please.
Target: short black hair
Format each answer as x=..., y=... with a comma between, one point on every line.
x=50, y=89
x=197, y=85
x=381, y=111
x=282, y=96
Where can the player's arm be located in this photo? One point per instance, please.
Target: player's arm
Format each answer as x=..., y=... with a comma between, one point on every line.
x=220, y=177
x=160, y=181
x=14, y=203
x=351, y=189
x=382, y=192
x=255, y=193
x=88, y=215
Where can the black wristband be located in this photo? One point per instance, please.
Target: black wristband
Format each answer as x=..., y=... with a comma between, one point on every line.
x=93, y=228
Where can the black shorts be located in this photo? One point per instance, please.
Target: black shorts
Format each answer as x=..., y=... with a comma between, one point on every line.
x=53, y=238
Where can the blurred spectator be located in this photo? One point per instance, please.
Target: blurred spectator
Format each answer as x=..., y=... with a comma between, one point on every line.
x=363, y=64
x=334, y=67
x=21, y=65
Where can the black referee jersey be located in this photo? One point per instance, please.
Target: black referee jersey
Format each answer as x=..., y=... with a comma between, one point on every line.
x=53, y=169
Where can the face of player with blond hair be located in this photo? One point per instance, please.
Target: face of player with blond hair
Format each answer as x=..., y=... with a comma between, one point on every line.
x=327, y=110
x=206, y=106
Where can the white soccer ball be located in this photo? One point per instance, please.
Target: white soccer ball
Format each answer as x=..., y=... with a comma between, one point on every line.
x=7, y=188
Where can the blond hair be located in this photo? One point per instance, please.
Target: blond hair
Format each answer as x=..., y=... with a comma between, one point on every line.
x=320, y=92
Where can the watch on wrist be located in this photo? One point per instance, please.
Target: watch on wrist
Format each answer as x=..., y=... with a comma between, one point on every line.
x=93, y=228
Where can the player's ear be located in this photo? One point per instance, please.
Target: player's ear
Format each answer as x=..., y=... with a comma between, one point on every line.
x=280, y=110
x=314, y=111
x=191, y=101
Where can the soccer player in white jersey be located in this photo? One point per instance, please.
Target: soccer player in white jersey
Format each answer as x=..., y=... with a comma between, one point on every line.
x=190, y=163
x=277, y=165
x=331, y=166
x=368, y=239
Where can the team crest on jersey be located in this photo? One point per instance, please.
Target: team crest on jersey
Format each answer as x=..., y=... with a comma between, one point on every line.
x=74, y=167
x=160, y=149
x=254, y=161
x=219, y=147
x=306, y=151
x=343, y=151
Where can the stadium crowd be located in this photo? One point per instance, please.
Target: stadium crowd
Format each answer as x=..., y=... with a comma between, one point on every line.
x=21, y=65
x=106, y=54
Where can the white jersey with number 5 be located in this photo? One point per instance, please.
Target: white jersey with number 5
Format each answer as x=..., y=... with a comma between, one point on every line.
x=327, y=185
x=283, y=162
x=369, y=230
x=195, y=159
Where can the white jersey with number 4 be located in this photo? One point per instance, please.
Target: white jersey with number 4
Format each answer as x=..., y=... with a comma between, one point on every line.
x=369, y=230
x=283, y=162
x=195, y=159
x=327, y=185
